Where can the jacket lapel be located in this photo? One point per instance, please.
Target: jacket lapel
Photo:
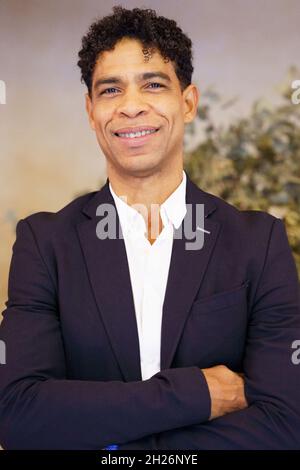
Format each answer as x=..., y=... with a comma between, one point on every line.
x=109, y=276
x=187, y=269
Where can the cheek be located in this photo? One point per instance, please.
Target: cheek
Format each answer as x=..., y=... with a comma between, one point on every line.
x=176, y=120
x=101, y=118
x=173, y=112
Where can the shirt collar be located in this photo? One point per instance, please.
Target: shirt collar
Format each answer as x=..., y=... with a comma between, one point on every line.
x=172, y=210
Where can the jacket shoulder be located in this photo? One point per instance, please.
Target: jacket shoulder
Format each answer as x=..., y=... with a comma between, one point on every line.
x=229, y=214
x=65, y=216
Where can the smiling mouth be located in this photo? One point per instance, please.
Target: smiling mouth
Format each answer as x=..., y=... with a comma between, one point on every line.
x=137, y=135
x=131, y=141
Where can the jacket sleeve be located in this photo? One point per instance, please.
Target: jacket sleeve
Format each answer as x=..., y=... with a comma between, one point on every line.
x=41, y=409
x=272, y=377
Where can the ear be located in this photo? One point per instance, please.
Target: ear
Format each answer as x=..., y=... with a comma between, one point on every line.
x=89, y=110
x=191, y=97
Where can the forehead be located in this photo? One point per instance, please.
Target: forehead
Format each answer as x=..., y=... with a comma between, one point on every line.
x=127, y=58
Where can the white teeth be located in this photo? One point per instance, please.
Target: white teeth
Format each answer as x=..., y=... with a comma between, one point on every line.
x=132, y=135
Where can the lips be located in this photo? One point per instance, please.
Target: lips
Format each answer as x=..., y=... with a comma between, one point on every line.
x=132, y=142
x=129, y=130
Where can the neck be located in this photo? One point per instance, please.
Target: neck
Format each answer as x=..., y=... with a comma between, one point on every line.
x=149, y=191
x=146, y=190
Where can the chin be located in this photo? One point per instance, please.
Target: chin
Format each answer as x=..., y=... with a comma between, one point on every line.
x=139, y=166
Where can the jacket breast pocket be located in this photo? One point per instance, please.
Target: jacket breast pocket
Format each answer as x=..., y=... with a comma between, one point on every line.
x=222, y=300
x=216, y=328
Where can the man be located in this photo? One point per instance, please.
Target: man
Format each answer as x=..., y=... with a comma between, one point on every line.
x=144, y=340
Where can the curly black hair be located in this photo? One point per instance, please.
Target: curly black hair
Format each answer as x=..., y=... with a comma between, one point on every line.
x=154, y=32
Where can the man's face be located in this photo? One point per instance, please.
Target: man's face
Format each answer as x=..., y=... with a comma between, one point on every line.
x=129, y=100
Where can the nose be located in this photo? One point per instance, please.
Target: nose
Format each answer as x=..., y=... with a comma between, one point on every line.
x=132, y=103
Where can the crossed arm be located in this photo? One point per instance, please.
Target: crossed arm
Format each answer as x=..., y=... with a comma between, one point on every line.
x=41, y=409
x=271, y=420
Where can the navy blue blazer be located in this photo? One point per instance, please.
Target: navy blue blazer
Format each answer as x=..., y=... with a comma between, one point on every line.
x=72, y=378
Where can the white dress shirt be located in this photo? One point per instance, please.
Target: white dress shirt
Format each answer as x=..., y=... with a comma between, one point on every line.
x=149, y=268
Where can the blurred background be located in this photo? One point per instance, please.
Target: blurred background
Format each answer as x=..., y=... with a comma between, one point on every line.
x=244, y=145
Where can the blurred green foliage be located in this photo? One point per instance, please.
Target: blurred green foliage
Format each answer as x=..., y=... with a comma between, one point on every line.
x=253, y=163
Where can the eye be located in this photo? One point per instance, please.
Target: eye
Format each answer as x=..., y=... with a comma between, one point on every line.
x=156, y=83
x=107, y=89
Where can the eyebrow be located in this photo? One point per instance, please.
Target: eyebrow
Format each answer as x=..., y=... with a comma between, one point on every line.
x=142, y=76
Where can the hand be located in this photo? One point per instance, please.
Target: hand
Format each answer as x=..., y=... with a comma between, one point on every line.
x=226, y=390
